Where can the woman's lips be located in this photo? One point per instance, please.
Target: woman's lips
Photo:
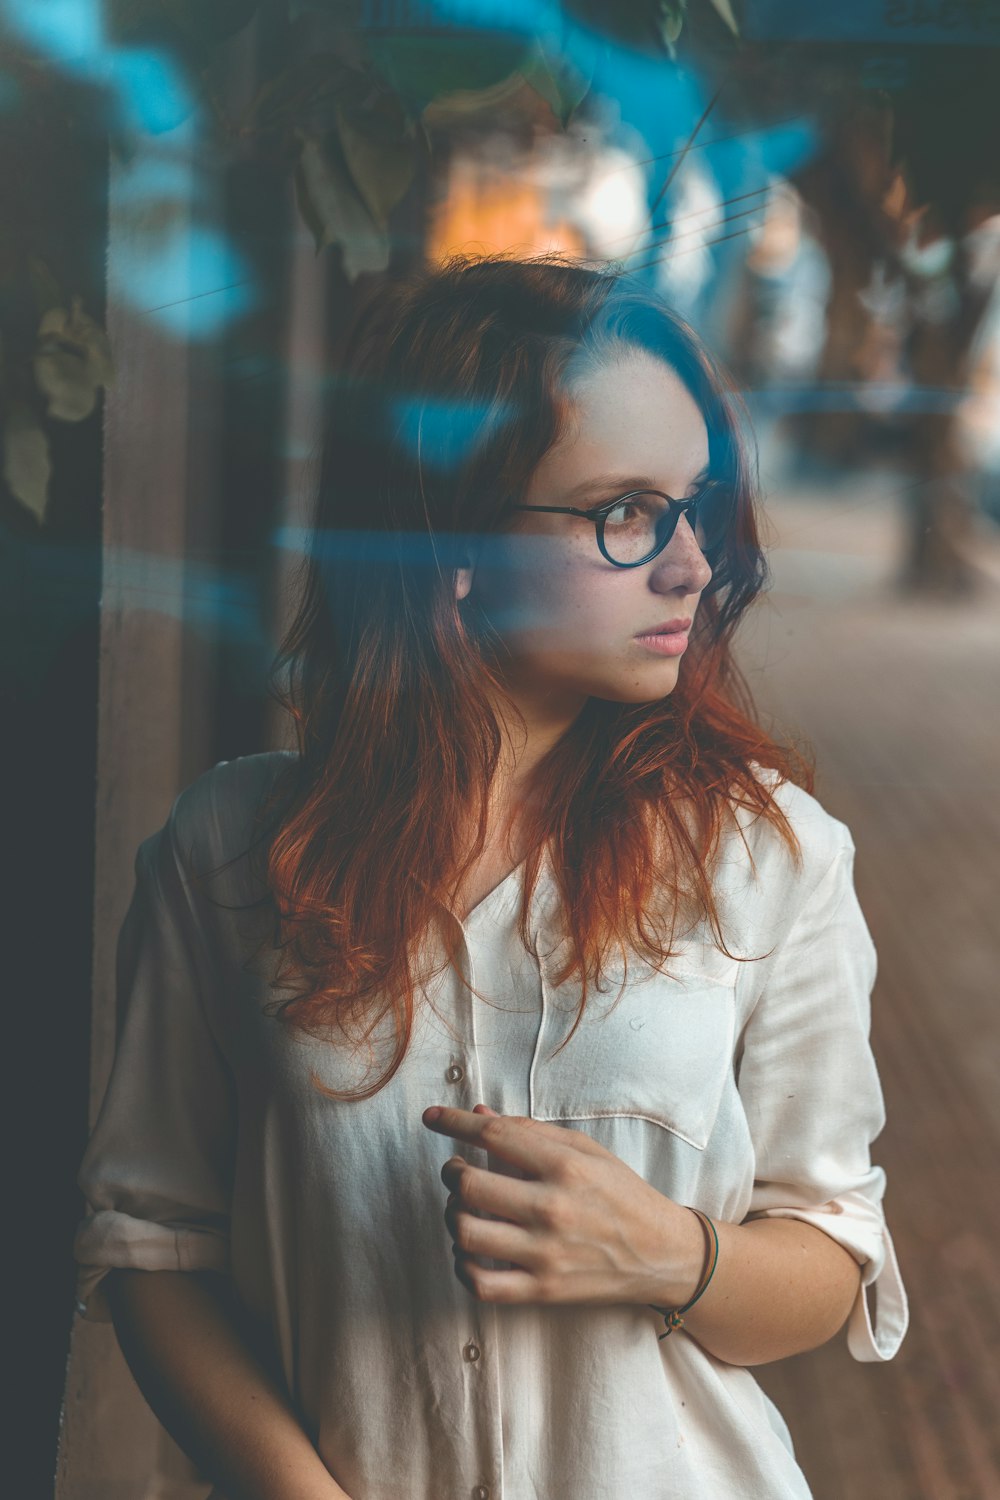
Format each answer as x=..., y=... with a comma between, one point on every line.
x=669, y=639
x=665, y=645
x=668, y=627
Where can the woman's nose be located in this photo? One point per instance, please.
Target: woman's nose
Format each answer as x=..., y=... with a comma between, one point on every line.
x=682, y=564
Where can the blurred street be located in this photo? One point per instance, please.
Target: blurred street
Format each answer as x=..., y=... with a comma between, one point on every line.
x=900, y=700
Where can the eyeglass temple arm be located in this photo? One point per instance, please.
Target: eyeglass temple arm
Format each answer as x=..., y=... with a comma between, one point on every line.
x=560, y=510
x=608, y=505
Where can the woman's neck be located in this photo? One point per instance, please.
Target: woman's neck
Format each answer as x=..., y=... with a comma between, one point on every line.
x=525, y=745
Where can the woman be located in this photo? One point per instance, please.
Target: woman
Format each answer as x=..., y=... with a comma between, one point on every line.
x=520, y=1019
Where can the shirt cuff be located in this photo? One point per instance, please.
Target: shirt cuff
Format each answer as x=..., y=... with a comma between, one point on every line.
x=868, y=1342
x=109, y=1239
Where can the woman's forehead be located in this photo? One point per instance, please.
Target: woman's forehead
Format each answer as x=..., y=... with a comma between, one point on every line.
x=635, y=415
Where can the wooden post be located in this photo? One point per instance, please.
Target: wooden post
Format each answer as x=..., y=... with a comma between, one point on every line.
x=153, y=728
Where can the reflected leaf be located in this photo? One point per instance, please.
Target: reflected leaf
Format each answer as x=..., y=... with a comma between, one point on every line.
x=724, y=9
x=473, y=101
x=378, y=146
x=333, y=208
x=670, y=23
x=26, y=462
x=72, y=361
x=561, y=85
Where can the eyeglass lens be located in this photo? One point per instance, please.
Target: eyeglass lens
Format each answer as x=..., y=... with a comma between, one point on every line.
x=640, y=524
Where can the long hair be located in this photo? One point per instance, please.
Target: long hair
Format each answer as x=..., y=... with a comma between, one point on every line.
x=451, y=390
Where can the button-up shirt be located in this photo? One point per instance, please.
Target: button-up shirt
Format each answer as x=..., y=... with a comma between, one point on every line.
x=746, y=1089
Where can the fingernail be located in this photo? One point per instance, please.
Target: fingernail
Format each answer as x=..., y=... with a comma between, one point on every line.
x=432, y=1114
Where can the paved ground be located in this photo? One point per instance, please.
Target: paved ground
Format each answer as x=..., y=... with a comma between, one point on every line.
x=901, y=703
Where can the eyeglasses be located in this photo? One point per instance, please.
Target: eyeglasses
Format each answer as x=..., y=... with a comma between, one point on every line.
x=635, y=528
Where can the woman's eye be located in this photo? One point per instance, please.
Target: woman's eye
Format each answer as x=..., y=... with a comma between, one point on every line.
x=626, y=513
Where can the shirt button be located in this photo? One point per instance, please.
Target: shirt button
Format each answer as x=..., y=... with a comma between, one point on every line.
x=455, y=1073
x=480, y=1492
x=472, y=1352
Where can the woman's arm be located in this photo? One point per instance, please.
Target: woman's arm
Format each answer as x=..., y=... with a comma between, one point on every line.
x=181, y=1336
x=780, y=1287
x=585, y=1227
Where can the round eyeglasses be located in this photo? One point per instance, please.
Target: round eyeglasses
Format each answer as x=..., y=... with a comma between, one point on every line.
x=635, y=528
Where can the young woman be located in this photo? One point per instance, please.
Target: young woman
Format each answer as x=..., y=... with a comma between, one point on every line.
x=520, y=1018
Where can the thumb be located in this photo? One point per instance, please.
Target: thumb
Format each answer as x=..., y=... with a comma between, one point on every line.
x=483, y=1109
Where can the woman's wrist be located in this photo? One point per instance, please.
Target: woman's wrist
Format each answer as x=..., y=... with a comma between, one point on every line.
x=683, y=1258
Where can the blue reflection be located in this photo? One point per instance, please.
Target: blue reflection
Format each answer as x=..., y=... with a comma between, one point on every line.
x=655, y=96
x=217, y=603
x=209, y=599
x=188, y=279
x=518, y=17
x=412, y=549
x=446, y=431
x=68, y=31
x=149, y=89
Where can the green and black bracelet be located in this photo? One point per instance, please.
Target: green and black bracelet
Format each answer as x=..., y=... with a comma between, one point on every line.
x=673, y=1316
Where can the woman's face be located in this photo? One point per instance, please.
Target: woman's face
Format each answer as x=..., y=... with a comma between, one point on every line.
x=570, y=620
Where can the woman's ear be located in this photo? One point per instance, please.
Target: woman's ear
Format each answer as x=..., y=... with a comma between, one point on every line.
x=463, y=582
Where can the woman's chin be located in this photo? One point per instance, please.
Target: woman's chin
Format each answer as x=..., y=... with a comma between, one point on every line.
x=637, y=692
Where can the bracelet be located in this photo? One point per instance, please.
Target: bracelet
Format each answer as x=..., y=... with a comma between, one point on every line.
x=673, y=1315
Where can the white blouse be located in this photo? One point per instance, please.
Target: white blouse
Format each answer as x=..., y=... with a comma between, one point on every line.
x=746, y=1089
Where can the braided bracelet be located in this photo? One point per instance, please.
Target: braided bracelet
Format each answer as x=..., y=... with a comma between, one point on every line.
x=673, y=1315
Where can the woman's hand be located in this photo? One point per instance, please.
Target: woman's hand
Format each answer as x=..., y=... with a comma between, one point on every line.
x=578, y=1226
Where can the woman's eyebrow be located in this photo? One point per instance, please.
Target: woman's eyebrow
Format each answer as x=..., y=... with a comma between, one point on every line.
x=604, y=482
x=624, y=482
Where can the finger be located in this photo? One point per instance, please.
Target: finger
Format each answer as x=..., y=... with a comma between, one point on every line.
x=521, y=1201
x=487, y=1285
x=461, y=1226
x=492, y=1238
x=534, y=1145
x=451, y=1172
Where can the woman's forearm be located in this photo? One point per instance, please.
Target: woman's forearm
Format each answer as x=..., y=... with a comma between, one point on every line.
x=780, y=1287
x=181, y=1337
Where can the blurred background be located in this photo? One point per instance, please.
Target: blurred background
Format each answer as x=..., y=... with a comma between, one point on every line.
x=196, y=194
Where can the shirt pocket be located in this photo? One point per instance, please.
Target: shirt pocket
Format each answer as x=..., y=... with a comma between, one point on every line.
x=661, y=1052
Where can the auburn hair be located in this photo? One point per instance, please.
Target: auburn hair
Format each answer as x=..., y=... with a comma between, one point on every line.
x=452, y=387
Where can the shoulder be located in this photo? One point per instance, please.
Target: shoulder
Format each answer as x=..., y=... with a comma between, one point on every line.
x=820, y=835
x=229, y=808
x=758, y=868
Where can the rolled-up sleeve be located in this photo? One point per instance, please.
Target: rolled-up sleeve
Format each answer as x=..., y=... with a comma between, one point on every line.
x=157, y=1171
x=813, y=1100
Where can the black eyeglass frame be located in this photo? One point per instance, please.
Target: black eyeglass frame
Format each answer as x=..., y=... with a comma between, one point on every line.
x=599, y=514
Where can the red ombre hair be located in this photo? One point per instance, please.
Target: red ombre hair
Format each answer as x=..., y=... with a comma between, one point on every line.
x=453, y=387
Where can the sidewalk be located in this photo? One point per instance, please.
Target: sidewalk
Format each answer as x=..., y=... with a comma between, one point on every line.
x=900, y=700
